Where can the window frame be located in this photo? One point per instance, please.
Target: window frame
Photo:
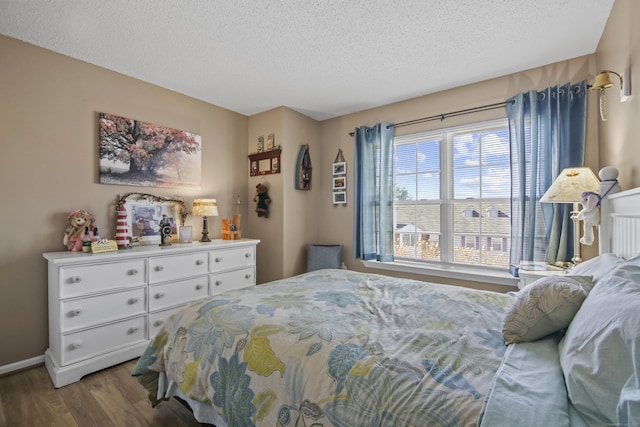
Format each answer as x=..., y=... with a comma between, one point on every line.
x=446, y=201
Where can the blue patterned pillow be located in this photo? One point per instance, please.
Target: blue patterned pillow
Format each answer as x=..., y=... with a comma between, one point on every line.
x=323, y=256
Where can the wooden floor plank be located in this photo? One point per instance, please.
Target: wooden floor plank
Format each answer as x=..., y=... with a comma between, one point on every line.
x=47, y=402
x=108, y=398
x=17, y=403
x=83, y=406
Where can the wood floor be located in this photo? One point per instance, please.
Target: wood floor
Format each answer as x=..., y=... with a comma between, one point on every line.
x=107, y=398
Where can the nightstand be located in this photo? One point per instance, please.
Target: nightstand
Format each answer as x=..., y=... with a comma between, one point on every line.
x=527, y=277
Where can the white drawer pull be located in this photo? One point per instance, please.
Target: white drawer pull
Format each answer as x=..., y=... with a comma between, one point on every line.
x=133, y=272
x=75, y=279
x=75, y=345
x=158, y=322
x=218, y=282
x=198, y=287
x=159, y=268
x=218, y=259
x=247, y=276
x=247, y=255
x=76, y=312
x=159, y=295
x=199, y=262
x=133, y=330
x=133, y=300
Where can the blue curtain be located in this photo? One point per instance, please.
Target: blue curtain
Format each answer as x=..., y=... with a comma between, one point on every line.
x=373, y=211
x=547, y=135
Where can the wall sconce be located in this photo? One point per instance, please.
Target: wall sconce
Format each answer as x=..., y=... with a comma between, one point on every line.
x=205, y=208
x=568, y=188
x=603, y=82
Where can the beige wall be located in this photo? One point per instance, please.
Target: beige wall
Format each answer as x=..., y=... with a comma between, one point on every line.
x=292, y=214
x=48, y=167
x=48, y=123
x=619, y=136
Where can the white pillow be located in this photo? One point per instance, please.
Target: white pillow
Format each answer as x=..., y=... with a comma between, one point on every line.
x=544, y=307
x=600, y=352
x=597, y=267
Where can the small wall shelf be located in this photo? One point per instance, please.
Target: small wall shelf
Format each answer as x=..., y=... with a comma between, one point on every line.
x=264, y=163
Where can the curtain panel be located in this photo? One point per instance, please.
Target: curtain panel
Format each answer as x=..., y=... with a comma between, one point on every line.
x=373, y=210
x=547, y=131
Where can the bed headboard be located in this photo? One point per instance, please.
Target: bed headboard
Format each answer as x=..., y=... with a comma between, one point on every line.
x=620, y=223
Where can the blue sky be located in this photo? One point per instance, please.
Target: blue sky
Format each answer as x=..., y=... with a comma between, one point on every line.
x=471, y=158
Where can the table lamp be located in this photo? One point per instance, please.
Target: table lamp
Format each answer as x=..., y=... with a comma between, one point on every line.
x=205, y=208
x=568, y=188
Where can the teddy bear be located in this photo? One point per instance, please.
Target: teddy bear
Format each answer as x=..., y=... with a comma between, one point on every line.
x=263, y=200
x=590, y=214
x=79, y=221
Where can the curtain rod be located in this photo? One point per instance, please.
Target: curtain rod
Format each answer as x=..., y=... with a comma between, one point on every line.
x=441, y=117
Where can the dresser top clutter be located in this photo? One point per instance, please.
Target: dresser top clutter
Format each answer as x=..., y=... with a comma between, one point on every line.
x=104, y=308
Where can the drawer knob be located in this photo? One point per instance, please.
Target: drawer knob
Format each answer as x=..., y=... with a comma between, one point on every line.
x=247, y=255
x=133, y=300
x=218, y=259
x=159, y=295
x=76, y=279
x=218, y=282
x=158, y=322
x=75, y=345
x=133, y=330
x=247, y=276
x=133, y=272
x=76, y=312
x=159, y=268
x=198, y=287
x=199, y=262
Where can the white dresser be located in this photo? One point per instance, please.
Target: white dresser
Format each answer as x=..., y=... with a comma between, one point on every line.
x=105, y=308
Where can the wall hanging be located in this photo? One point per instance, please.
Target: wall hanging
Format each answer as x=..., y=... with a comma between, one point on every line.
x=140, y=217
x=264, y=163
x=303, y=169
x=133, y=152
x=339, y=186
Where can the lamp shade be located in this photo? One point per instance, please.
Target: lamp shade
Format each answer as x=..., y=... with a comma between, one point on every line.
x=570, y=184
x=205, y=207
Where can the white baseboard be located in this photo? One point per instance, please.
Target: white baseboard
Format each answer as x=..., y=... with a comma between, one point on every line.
x=23, y=364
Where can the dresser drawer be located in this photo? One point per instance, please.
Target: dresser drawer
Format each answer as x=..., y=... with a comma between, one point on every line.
x=92, y=342
x=176, y=293
x=162, y=269
x=81, y=313
x=231, y=258
x=90, y=278
x=158, y=319
x=237, y=279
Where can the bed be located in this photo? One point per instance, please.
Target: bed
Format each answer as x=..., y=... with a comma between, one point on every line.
x=342, y=348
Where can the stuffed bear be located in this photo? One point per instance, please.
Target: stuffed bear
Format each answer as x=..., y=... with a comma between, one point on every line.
x=79, y=221
x=263, y=200
x=590, y=214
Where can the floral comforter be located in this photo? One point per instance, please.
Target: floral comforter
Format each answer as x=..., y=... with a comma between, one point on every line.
x=333, y=348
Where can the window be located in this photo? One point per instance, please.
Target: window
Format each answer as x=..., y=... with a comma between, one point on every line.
x=452, y=195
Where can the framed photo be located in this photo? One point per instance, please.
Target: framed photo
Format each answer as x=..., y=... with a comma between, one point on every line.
x=264, y=163
x=167, y=158
x=144, y=213
x=340, y=198
x=340, y=183
x=340, y=168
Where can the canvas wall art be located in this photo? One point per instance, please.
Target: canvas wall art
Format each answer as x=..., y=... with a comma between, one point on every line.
x=133, y=152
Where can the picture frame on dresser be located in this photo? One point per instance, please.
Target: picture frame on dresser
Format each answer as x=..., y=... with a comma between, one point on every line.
x=145, y=211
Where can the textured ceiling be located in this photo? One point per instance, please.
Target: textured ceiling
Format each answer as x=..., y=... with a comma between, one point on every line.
x=323, y=58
